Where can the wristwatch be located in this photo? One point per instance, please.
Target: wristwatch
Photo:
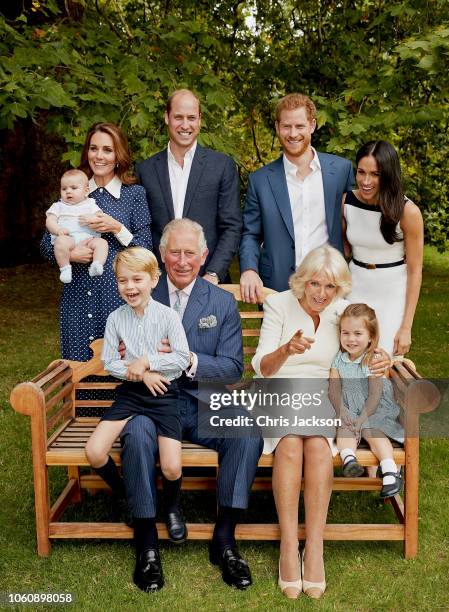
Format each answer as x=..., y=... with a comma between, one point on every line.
x=214, y=274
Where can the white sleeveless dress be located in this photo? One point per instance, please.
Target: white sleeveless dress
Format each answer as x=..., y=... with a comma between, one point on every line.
x=384, y=289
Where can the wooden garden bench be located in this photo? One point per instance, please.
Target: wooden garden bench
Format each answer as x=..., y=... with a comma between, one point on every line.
x=59, y=436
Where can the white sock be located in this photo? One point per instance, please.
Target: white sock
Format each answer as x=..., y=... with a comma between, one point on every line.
x=388, y=465
x=96, y=268
x=345, y=453
x=66, y=274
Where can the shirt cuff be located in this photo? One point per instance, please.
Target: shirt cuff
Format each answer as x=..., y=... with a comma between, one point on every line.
x=124, y=236
x=191, y=372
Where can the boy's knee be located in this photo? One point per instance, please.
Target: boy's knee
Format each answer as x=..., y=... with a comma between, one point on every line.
x=95, y=456
x=172, y=471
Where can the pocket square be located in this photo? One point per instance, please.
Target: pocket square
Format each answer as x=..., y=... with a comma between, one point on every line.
x=207, y=322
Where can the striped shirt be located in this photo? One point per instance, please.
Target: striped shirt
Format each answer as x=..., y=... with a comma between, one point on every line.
x=142, y=336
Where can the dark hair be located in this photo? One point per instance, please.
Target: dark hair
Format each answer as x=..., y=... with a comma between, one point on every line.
x=121, y=150
x=391, y=196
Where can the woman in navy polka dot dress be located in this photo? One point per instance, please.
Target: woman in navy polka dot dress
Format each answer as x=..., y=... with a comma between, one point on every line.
x=125, y=221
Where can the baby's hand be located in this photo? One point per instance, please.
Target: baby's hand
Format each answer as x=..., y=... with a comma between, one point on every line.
x=137, y=369
x=86, y=219
x=155, y=382
x=63, y=232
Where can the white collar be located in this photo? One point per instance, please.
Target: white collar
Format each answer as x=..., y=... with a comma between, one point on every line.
x=188, y=155
x=113, y=186
x=346, y=358
x=173, y=288
x=290, y=167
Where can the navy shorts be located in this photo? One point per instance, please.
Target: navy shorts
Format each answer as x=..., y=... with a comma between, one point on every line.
x=135, y=398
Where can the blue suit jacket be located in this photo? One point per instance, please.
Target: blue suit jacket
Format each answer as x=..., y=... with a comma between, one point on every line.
x=268, y=240
x=212, y=199
x=219, y=348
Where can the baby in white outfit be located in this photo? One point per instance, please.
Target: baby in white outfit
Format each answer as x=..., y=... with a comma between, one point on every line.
x=66, y=221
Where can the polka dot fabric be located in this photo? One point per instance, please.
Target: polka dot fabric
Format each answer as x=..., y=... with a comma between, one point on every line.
x=87, y=301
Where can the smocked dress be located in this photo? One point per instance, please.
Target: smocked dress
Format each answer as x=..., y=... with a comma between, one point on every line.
x=354, y=386
x=384, y=289
x=87, y=301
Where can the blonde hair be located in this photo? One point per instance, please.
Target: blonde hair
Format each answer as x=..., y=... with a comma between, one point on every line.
x=292, y=102
x=137, y=259
x=183, y=224
x=76, y=172
x=365, y=312
x=323, y=260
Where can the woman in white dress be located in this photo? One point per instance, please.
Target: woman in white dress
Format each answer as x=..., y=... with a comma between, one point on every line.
x=384, y=232
x=299, y=339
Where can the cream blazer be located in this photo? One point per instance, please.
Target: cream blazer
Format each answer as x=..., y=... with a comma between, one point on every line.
x=283, y=316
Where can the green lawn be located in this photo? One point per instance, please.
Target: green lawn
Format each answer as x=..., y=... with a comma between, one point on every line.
x=361, y=576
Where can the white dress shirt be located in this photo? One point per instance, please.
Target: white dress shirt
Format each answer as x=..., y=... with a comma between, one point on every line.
x=114, y=186
x=307, y=204
x=179, y=177
x=184, y=295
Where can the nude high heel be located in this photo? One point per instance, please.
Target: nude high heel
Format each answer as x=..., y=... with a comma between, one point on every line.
x=294, y=585
x=314, y=590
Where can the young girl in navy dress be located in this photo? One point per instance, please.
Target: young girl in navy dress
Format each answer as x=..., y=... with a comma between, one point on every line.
x=150, y=387
x=364, y=403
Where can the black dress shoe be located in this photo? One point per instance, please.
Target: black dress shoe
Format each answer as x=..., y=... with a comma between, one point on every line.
x=390, y=490
x=234, y=569
x=176, y=526
x=148, y=573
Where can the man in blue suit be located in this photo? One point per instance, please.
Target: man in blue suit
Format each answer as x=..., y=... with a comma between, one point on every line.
x=293, y=204
x=212, y=324
x=188, y=180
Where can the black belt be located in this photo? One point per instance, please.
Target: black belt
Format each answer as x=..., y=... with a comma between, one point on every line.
x=371, y=266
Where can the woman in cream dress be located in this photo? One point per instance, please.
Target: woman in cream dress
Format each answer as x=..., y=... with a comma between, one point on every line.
x=299, y=339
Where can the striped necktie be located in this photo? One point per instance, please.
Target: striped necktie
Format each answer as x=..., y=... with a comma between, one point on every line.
x=177, y=305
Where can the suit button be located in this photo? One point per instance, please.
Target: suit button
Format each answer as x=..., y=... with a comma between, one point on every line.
x=292, y=269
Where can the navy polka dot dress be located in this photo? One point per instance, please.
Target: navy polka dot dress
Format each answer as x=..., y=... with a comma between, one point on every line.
x=86, y=302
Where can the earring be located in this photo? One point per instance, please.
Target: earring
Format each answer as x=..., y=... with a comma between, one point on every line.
x=116, y=164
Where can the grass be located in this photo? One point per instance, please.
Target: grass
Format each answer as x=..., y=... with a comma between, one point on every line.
x=361, y=576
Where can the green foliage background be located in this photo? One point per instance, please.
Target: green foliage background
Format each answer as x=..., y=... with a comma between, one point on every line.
x=376, y=69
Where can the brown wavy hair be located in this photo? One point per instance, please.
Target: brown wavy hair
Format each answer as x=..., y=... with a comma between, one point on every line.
x=123, y=157
x=368, y=315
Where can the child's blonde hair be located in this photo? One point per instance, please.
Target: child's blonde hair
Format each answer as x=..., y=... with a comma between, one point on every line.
x=137, y=259
x=365, y=312
x=76, y=172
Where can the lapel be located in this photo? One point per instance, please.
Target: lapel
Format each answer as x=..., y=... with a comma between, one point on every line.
x=278, y=184
x=197, y=300
x=196, y=171
x=327, y=173
x=161, y=163
x=160, y=292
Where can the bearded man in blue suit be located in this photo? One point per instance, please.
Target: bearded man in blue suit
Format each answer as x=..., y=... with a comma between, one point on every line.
x=211, y=320
x=293, y=205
